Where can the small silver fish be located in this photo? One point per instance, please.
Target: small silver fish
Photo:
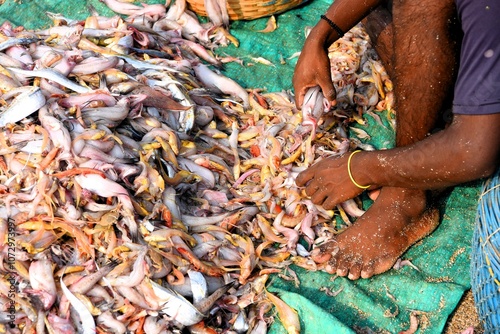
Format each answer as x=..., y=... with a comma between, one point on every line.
x=18, y=41
x=22, y=106
x=176, y=306
x=52, y=75
x=86, y=317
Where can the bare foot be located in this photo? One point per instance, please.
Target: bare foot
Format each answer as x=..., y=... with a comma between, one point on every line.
x=371, y=246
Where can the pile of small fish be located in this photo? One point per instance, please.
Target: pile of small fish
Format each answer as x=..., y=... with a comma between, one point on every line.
x=141, y=191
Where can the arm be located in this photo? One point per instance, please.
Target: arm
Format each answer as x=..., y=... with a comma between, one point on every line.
x=468, y=149
x=313, y=66
x=465, y=151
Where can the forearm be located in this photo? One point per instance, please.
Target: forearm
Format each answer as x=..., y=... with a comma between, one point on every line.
x=465, y=151
x=346, y=14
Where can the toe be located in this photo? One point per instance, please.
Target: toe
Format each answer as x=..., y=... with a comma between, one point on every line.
x=368, y=270
x=323, y=253
x=331, y=266
x=329, y=269
x=343, y=267
x=318, y=256
x=355, y=271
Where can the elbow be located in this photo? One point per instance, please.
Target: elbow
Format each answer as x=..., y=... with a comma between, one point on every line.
x=488, y=169
x=489, y=157
x=482, y=164
x=474, y=142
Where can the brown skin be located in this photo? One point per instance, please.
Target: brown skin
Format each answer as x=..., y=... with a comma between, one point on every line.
x=313, y=66
x=416, y=45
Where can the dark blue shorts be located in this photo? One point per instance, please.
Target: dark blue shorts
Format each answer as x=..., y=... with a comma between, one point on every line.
x=477, y=90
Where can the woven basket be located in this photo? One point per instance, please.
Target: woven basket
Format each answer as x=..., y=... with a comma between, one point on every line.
x=248, y=9
x=485, y=264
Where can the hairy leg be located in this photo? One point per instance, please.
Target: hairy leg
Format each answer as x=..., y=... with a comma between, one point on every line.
x=425, y=63
x=379, y=26
x=422, y=65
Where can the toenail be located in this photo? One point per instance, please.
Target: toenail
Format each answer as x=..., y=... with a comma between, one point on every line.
x=329, y=269
x=341, y=272
x=335, y=250
x=365, y=274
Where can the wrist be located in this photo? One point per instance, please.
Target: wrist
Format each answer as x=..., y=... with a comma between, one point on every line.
x=361, y=169
x=333, y=26
x=321, y=35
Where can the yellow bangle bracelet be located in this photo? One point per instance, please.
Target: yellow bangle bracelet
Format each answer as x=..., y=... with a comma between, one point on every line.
x=350, y=174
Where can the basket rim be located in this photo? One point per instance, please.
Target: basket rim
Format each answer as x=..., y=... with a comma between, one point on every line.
x=248, y=9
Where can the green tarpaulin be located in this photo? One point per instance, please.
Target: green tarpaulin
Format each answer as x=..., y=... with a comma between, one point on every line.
x=382, y=304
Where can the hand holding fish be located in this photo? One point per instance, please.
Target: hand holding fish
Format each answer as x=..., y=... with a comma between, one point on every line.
x=313, y=69
x=331, y=181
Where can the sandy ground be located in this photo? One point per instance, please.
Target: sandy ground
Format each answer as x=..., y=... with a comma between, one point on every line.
x=464, y=317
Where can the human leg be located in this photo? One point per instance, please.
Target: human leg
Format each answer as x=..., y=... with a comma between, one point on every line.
x=379, y=26
x=422, y=66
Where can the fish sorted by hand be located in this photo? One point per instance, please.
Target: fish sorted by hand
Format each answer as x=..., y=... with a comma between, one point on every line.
x=147, y=191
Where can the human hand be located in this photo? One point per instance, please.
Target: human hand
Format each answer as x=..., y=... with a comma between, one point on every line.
x=328, y=183
x=313, y=69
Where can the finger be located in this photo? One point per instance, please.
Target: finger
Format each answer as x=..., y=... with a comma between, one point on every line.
x=330, y=202
x=373, y=194
x=299, y=98
x=303, y=177
x=318, y=197
x=311, y=188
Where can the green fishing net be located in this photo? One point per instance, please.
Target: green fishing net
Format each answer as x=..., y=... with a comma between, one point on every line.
x=382, y=304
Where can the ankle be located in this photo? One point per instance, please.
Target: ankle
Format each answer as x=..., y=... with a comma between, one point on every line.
x=411, y=202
